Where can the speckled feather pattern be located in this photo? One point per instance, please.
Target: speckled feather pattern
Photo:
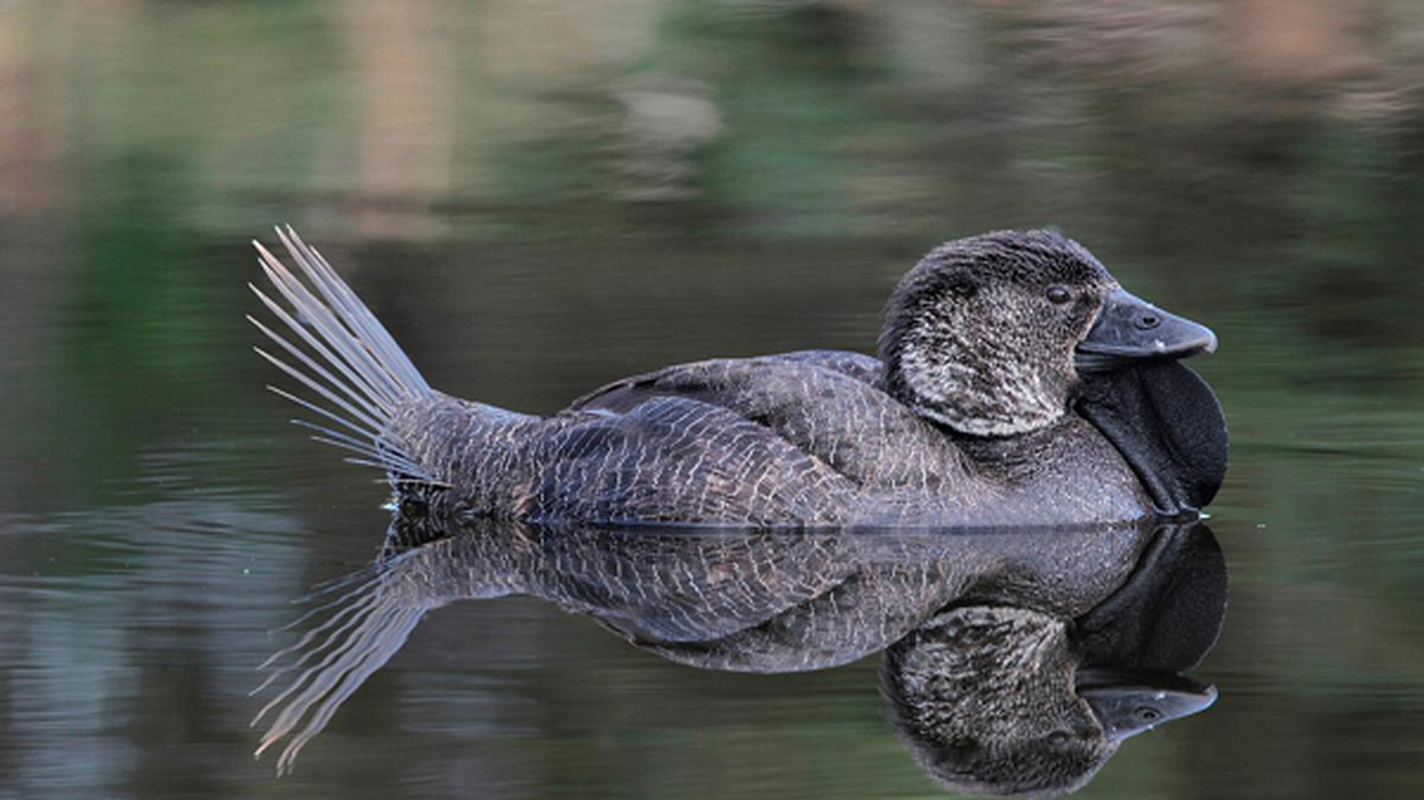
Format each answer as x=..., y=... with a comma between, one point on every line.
x=970, y=341
x=735, y=442
x=965, y=422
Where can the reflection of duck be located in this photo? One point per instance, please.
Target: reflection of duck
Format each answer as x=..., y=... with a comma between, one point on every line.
x=1019, y=384
x=985, y=632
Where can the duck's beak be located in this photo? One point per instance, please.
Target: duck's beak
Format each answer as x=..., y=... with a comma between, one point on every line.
x=1127, y=706
x=1129, y=329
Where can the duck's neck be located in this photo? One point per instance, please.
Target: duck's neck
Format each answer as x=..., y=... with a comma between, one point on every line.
x=1016, y=457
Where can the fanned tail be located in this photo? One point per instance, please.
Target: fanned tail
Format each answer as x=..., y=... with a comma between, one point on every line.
x=358, y=372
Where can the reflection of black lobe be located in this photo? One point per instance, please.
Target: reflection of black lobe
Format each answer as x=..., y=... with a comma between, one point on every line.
x=1168, y=614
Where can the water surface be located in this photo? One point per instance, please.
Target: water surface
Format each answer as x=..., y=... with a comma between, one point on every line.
x=538, y=200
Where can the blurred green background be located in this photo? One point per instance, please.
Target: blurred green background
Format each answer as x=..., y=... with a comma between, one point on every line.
x=540, y=196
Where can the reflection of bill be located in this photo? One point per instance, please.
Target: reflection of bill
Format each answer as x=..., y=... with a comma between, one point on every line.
x=1016, y=661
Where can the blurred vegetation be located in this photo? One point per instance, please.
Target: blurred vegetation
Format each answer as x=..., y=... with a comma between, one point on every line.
x=540, y=196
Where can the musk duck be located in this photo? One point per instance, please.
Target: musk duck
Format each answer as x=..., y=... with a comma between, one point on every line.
x=1017, y=384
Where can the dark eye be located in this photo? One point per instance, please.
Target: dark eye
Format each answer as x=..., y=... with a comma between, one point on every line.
x=1058, y=295
x=1058, y=740
x=963, y=287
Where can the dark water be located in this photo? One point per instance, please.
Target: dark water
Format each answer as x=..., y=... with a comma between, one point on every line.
x=540, y=197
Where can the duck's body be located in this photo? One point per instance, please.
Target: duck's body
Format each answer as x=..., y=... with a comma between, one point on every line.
x=971, y=417
x=805, y=438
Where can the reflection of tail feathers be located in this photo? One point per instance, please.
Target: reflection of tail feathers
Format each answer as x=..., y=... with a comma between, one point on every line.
x=351, y=361
x=368, y=623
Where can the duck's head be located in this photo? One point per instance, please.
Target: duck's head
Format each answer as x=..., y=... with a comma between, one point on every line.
x=991, y=335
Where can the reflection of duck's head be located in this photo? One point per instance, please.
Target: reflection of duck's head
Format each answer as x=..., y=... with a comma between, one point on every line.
x=987, y=334
x=984, y=698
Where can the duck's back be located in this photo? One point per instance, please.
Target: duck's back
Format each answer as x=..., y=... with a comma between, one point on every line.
x=824, y=403
x=802, y=438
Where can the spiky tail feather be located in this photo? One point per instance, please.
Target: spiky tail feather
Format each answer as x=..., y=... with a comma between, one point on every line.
x=360, y=374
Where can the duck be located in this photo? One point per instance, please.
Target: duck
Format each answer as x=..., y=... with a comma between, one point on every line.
x=1017, y=383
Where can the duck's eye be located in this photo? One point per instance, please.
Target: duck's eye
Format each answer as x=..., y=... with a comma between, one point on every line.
x=1058, y=295
x=963, y=287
